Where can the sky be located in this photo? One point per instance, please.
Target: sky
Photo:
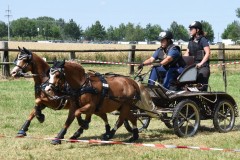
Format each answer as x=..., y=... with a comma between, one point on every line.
x=219, y=13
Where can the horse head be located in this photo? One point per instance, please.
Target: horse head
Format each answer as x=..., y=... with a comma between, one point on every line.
x=22, y=62
x=56, y=78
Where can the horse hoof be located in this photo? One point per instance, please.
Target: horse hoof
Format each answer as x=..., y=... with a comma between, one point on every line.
x=109, y=135
x=41, y=118
x=132, y=139
x=21, y=133
x=74, y=137
x=56, y=142
x=106, y=137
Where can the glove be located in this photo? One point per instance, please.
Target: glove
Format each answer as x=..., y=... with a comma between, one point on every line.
x=140, y=66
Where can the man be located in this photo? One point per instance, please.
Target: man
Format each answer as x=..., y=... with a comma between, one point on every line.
x=171, y=66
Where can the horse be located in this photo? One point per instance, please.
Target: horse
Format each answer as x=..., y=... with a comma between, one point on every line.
x=96, y=93
x=27, y=61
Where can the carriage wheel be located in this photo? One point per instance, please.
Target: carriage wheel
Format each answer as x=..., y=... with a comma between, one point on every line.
x=142, y=122
x=224, y=117
x=186, y=118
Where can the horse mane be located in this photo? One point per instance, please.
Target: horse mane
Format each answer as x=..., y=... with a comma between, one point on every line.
x=61, y=64
x=74, y=62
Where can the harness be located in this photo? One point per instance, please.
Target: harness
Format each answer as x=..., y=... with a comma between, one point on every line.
x=105, y=88
x=63, y=100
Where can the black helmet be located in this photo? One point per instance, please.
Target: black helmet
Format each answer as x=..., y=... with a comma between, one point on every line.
x=196, y=24
x=165, y=34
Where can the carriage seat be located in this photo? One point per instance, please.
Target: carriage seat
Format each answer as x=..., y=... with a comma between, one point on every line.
x=189, y=75
x=189, y=60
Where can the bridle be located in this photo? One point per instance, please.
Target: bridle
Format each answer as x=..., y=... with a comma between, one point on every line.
x=56, y=86
x=64, y=88
x=25, y=57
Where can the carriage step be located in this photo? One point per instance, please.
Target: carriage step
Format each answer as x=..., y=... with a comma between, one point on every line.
x=164, y=110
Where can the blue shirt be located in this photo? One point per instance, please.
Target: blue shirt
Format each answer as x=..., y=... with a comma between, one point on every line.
x=173, y=52
x=203, y=42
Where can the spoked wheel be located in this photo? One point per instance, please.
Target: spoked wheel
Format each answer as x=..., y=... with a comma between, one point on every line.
x=142, y=121
x=224, y=117
x=186, y=118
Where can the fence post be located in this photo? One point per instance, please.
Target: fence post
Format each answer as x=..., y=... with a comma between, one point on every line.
x=5, y=58
x=131, y=58
x=221, y=55
x=72, y=55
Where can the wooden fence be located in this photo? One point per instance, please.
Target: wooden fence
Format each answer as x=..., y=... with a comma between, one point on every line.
x=4, y=52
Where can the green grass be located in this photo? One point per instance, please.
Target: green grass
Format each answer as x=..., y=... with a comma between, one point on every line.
x=17, y=101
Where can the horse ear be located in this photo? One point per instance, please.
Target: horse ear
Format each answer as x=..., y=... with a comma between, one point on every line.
x=19, y=49
x=47, y=73
x=62, y=63
x=27, y=51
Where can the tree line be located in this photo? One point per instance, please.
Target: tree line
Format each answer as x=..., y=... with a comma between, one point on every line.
x=48, y=28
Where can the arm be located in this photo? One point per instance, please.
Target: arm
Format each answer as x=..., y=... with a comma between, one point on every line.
x=148, y=61
x=166, y=60
x=186, y=53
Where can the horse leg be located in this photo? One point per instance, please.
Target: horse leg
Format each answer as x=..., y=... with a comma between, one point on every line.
x=123, y=112
x=105, y=119
x=63, y=131
x=133, y=120
x=84, y=124
x=24, y=128
x=38, y=112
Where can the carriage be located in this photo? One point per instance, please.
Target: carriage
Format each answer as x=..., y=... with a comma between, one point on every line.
x=184, y=109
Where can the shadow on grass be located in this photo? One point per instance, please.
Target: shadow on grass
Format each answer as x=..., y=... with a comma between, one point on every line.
x=149, y=135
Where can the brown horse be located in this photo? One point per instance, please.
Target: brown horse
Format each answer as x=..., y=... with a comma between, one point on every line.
x=96, y=93
x=28, y=61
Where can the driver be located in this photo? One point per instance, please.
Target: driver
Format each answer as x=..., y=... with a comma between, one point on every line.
x=170, y=66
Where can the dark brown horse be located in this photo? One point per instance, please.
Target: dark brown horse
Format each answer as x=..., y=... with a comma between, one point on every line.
x=28, y=61
x=96, y=94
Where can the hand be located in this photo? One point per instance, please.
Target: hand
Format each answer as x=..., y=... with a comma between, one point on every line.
x=140, y=66
x=199, y=65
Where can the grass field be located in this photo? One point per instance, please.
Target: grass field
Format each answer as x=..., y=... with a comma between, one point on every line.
x=17, y=100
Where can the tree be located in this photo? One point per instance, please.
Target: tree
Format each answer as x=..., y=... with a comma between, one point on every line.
x=207, y=28
x=72, y=30
x=98, y=31
x=120, y=32
x=238, y=12
x=111, y=35
x=3, y=29
x=24, y=27
x=88, y=34
x=178, y=31
x=129, y=32
x=55, y=32
x=45, y=25
x=232, y=31
x=152, y=32
x=139, y=33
